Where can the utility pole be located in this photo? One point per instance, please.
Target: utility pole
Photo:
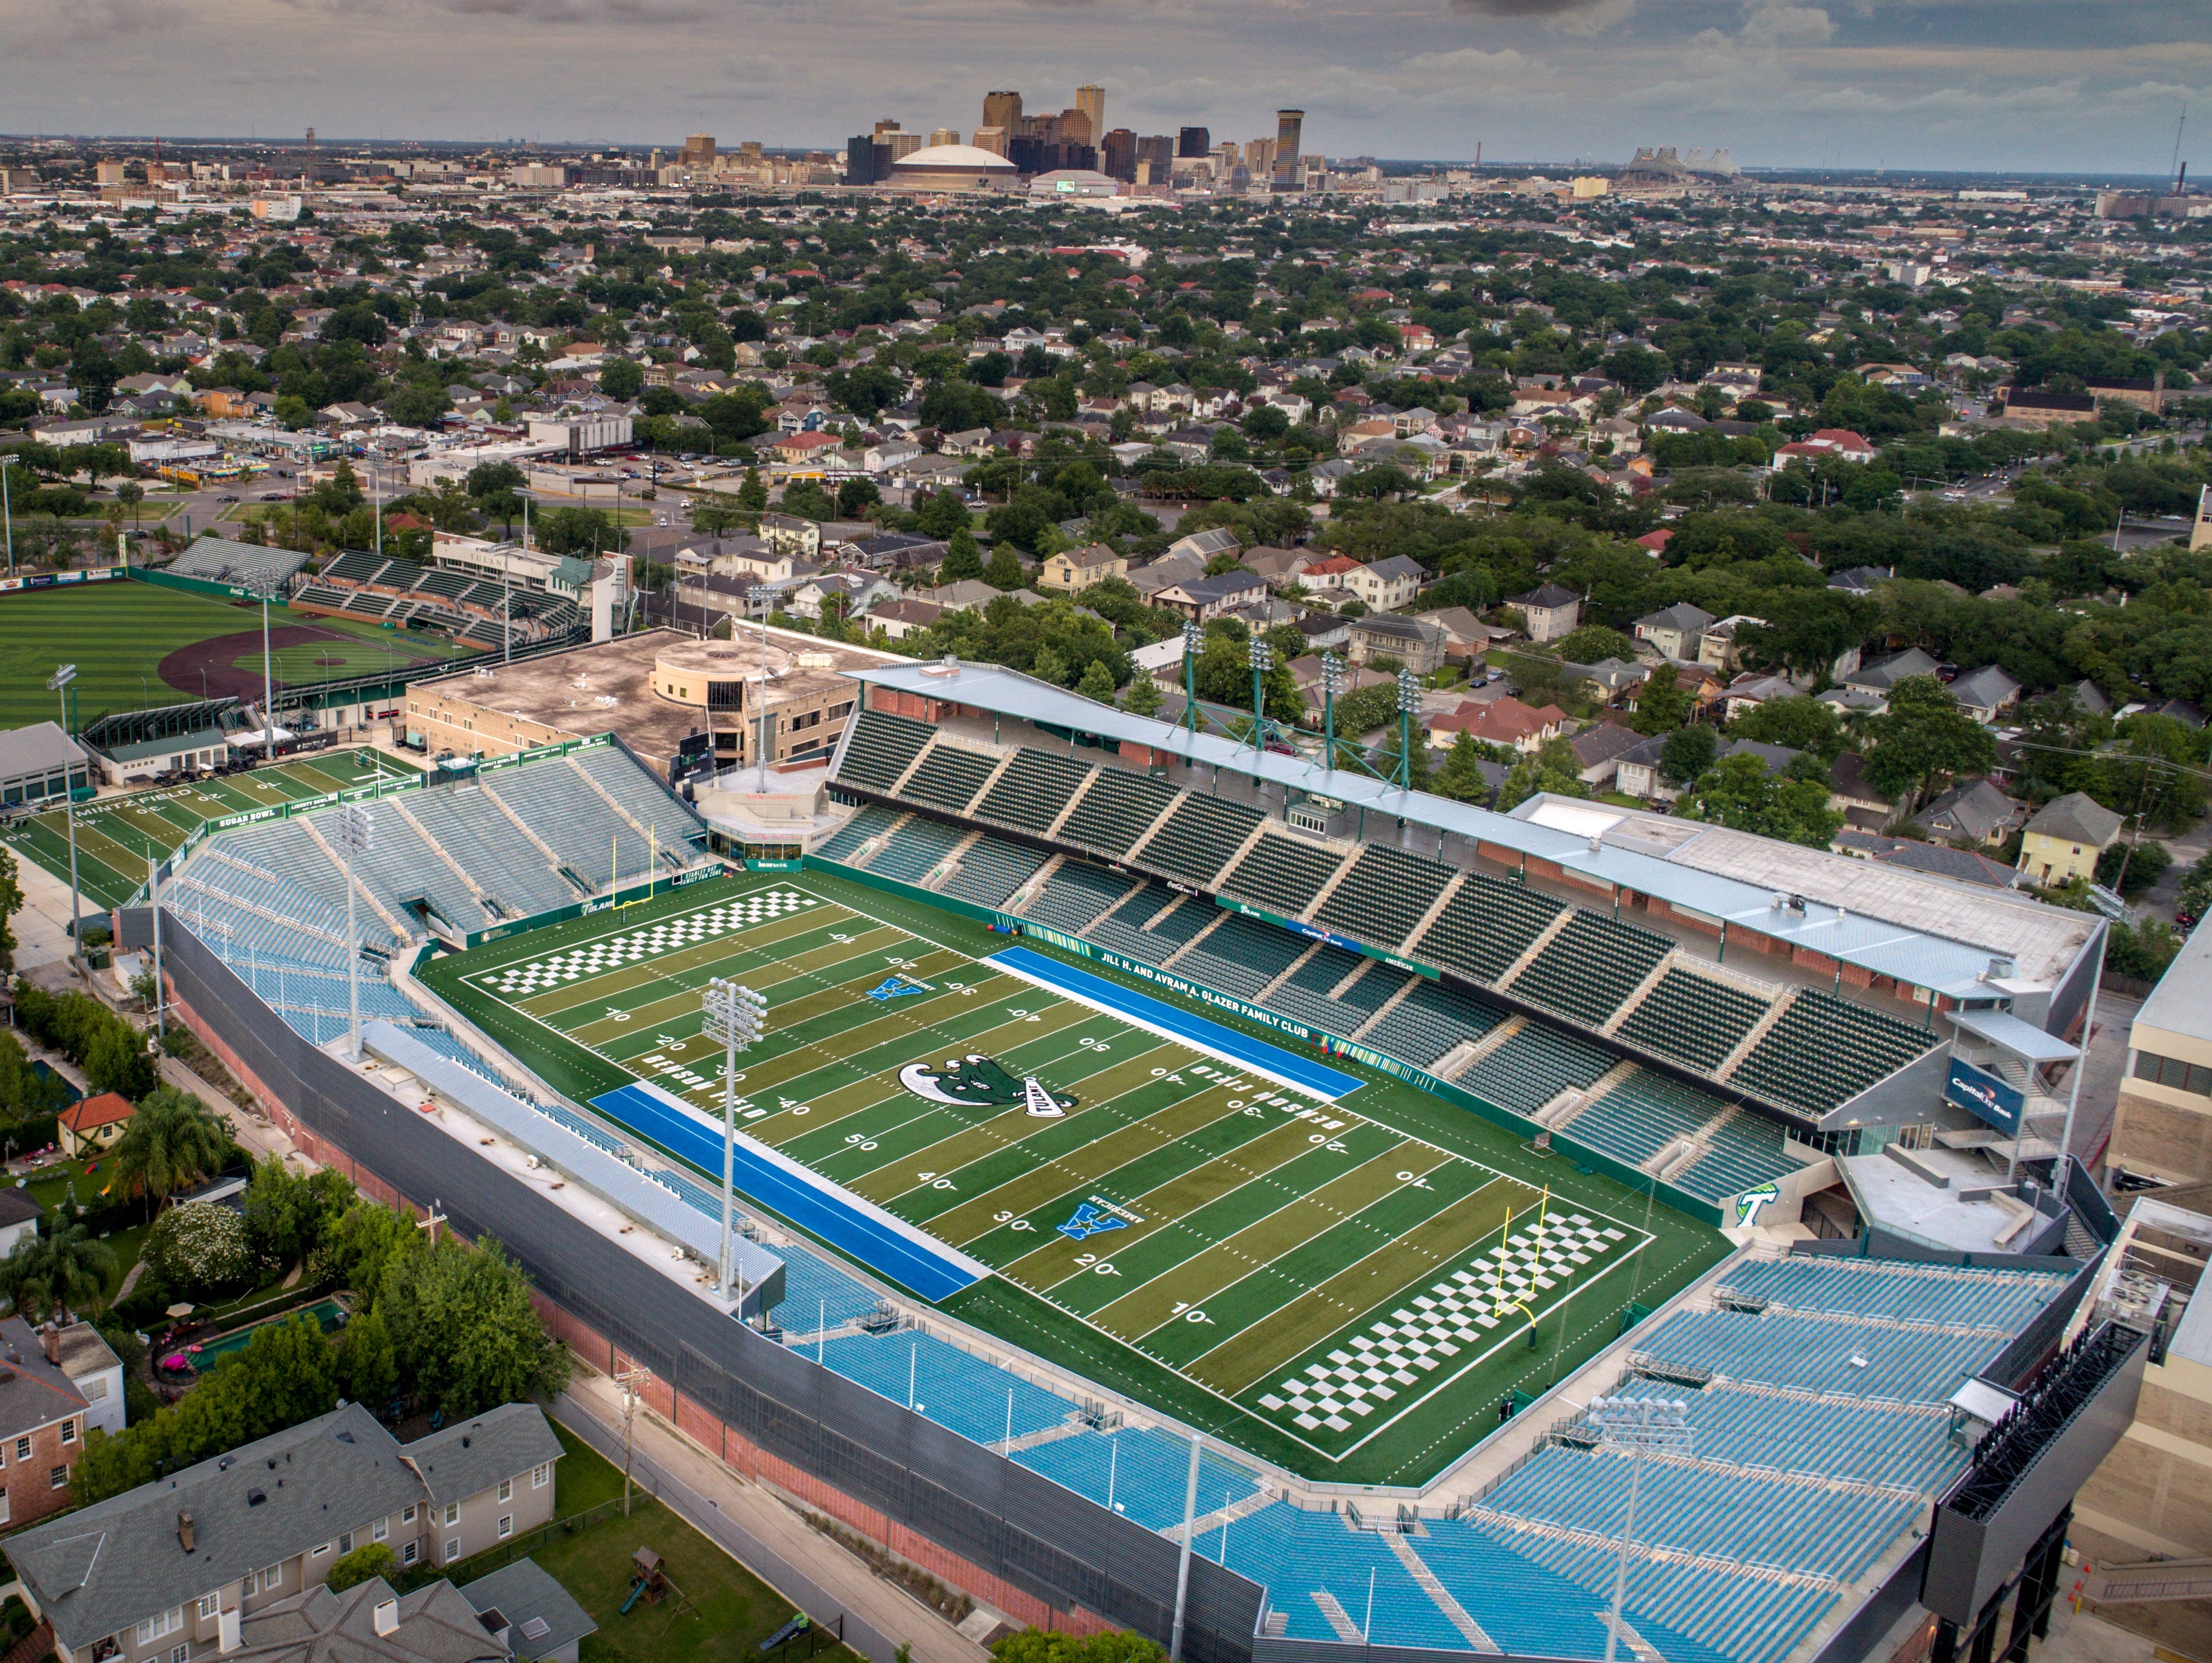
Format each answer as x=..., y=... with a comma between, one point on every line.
x=628, y=1380
x=58, y=682
x=433, y=1220
x=153, y=905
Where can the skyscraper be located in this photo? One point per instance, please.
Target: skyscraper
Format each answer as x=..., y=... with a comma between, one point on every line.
x=699, y=151
x=1290, y=127
x=1003, y=110
x=1193, y=141
x=1117, y=153
x=1158, y=149
x=1091, y=100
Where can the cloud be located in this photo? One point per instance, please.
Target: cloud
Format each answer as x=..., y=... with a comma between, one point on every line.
x=1773, y=24
x=1567, y=16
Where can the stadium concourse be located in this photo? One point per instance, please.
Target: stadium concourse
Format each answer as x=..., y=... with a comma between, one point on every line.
x=1818, y=1390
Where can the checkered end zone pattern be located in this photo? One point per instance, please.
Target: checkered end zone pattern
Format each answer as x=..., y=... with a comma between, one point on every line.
x=1429, y=1330
x=578, y=963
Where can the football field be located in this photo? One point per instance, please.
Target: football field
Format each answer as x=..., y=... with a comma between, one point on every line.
x=117, y=835
x=1268, y=1229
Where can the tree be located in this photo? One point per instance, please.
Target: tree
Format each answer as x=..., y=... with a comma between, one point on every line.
x=581, y=532
x=367, y=1363
x=1662, y=704
x=623, y=379
x=941, y=513
x=2133, y=867
x=1801, y=724
x=1097, y=682
x=1922, y=735
x=117, y=1061
x=365, y=1564
x=65, y=1270
x=1554, y=768
x=1005, y=571
x=963, y=558
x=414, y=404
x=286, y=1215
x=12, y=902
x=465, y=1332
x=1052, y=1645
x=1592, y=643
x=752, y=494
x=199, y=1251
x=173, y=1141
x=1462, y=778
x=1740, y=792
x=1688, y=753
x=1142, y=697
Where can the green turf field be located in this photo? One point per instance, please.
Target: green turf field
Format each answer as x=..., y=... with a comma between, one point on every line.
x=1347, y=1287
x=117, y=634
x=115, y=835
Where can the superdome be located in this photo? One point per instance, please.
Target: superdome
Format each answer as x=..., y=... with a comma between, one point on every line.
x=954, y=167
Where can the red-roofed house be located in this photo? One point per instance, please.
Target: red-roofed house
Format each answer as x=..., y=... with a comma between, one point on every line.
x=1657, y=541
x=92, y=1123
x=1505, y=721
x=1838, y=442
x=798, y=448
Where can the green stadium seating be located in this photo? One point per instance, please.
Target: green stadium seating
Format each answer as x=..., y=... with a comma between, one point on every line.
x=950, y=778
x=993, y=870
x=1075, y=894
x=1243, y=957
x=1303, y=996
x=1383, y=895
x=1282, y=874
x=1430, y=1021
x=1486, y=927
x=1533, y=1067
x=1746, y=1151
x=1199, y=837
x=1125, y=931
x=1823, y=1050
x=1694, y=1019
x=1642, y=1115
x=881, y=748
x=1033, y=791
x=873, y=821
x=1115, y=812
x=1590, y=967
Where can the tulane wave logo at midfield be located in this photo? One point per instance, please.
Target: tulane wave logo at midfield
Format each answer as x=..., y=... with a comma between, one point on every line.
x=978, y=1082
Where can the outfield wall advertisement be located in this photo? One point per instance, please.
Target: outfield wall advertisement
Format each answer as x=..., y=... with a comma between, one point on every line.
x=31, y=580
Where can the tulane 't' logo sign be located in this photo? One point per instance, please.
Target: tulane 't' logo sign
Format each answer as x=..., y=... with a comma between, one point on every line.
x=978, y=1082
x=1749, y=1204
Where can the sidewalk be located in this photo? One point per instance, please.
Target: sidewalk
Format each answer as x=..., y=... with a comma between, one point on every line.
x=763, y=1533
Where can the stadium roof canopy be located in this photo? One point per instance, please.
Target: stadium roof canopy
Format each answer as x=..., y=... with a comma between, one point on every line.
x=1616, y=847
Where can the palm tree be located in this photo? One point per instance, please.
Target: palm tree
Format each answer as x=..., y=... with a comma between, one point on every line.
x=173, y=1141
x=50, y=1274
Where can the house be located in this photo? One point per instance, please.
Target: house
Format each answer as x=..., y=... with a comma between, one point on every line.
x=181, y=1564
x=1637, y=772
x=92, y=1123
x=543, y=1621
x=1775, y=759
x=1720, y=648
x=1203, y=546
x=1611, y=679
x=812, y=448
x=1849, y=793
x=19, y=1218
x=1203, y=598
x=792, y=534
x=435, y=1625
x=1551, y=611
x=1327, y=575
x=1986, y=694
x=1886, y=673
x=1467, y=638
x=1415, y=643
x=42, y=1428
x=1748, y=692
x=1284, y=568
x=1384, y=586
x=899, y=619
x=1677, y=631
x=1504, y=721
x=1860, y=579
x=741, y=556
x=1600, y=749
x=2065, y=837
x=1165, y=573
x=1936, y=859
x=1078, y=569
x=1972, y=811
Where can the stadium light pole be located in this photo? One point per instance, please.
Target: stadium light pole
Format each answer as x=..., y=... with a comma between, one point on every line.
x=1190, y=639
x=58, y=682
x=7, y=518
x=264, y=591
x=356, y=834
x=1639, y=1426
x=762, y=593
x=1332, y=680
x=1262, y=658
x=1409, y=699
x=734, y=1015
x=154, y=906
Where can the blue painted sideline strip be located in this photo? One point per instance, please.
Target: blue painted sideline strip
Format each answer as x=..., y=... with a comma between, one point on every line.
x=878, y=1239
x=1170, y=1021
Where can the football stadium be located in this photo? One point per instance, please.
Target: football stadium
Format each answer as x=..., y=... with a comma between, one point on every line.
x=1181, y=1186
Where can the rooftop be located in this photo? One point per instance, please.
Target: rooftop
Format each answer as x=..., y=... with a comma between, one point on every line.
x=2182, y=1002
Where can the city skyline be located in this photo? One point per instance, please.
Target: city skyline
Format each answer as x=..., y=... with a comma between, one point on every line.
x=1931, y=84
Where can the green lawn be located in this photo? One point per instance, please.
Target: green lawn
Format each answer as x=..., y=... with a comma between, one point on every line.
x=1408, y=1451
x=51, y=1188
x=736, y=1610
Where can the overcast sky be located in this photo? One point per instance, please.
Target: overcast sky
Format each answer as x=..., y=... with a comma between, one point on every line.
x=2090, y=86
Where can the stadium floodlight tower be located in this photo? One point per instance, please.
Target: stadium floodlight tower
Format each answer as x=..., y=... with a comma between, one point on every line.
x=761, y=595
x=1409, y=701
x=1191, y=639
x=1332, y=684
x=1640, y=1426
x=265, y=589
x=355, y=827
x=734, y=1015
x=58, y=682
x=1262, y=659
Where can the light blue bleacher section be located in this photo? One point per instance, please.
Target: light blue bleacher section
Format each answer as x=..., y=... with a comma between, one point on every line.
x=574, y=822
x=643, y=798
x=1979, y=1299
x=1145, y=1473
x=1295, y=1555
x=1772, y=1350
x=469, y=827
x=962, y=1392
x=1864, y=1443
